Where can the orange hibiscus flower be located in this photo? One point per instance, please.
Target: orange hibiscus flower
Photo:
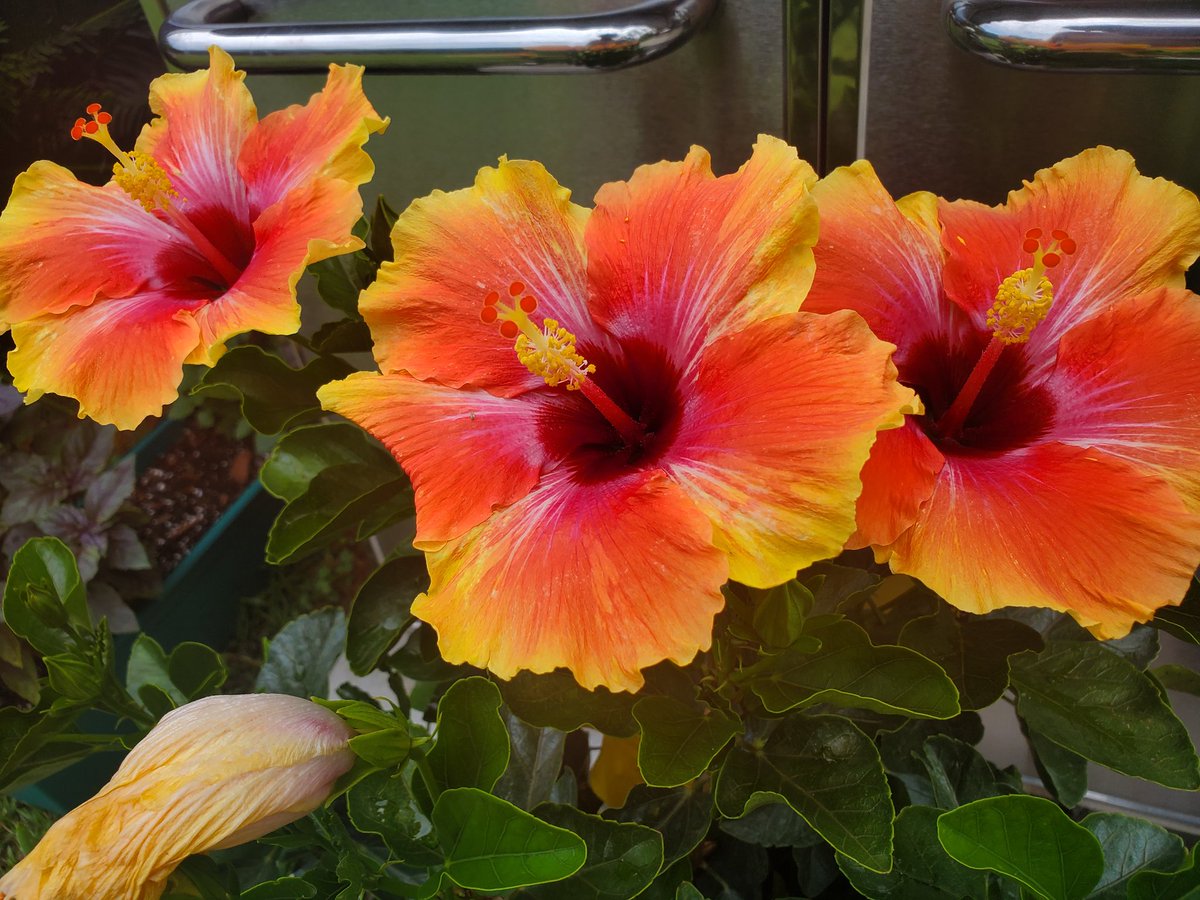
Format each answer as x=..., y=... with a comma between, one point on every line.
x=1057, y=463
x=586, y=483
x=202, y=234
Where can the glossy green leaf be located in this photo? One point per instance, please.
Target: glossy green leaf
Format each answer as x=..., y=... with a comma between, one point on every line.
x=1064, y=772
x=779, y=613
x=622, y=858
x=1130, y=846
x=825, y=769
x=972, y=650
x=1026, y=838
x=1178, y=678
x=534, y=764
x=272, y=394
x=338, y=283
x=301, y=656
x=288, y=887
x=1099, y=705
x=383, y=217
x=301, y=454
x=556, y=700
x=491, y=846
x=837, y=588
x=687, y=891
x=1183, y=884
x=472, y=748
x=343, y=336
x=772, y=825
x=382, y=610
x=679, y=739
x=191, y=670
x=681, y=815
x=384, y=804
x=922, y=871
x=1182, y=621
x=959, y=774
x=386, y=748
x=44, y=598
x=850, y=671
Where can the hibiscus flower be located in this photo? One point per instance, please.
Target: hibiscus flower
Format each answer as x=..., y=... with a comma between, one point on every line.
x=607, y=413
x=202, y=234
x=1057, y=462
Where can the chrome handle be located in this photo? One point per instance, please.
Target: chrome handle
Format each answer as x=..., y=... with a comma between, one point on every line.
x=588, y=43
x=1080, y=35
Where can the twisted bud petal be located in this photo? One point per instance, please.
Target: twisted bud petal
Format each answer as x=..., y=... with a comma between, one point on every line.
x=214, y=773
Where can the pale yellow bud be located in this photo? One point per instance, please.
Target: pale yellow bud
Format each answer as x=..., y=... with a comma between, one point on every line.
x=214, y=773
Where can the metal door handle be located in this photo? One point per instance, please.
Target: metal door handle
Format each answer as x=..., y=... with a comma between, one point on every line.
x=1080, y=35
x=588, y=43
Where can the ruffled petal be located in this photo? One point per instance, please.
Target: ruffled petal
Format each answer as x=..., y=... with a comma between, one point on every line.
x=311, y=223
x=467, y=452
x=122, y=359
x=604, y=579
x=204, y=119
x=1054, y=526
x=679, y=258
x=783, y=416
x=898, y=478
x=322, y=139
x=1133, y=234
x=63, y=243
x=516, y=224
x=1128, y=383
x=882, y=262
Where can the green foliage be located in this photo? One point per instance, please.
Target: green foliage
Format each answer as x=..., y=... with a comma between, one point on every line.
x=679, y=739
x=1028, y=839
x=472, y=748
x=381, y=610
x=300, y=657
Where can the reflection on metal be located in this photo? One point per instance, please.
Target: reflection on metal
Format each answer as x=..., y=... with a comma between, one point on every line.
x=1081, y=35
x=585, y=43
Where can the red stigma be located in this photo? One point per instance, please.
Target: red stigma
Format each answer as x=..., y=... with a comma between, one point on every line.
x=1033, y=234
x=528, y=304
x=1067, y=245
x=1051, y=260
x=104, y=118
x=1058, y=234
x=491, y=299
x=509, y=329
x=1030, y=245
x=91, y=127
x=516, y=288
x=488, y=315
x=93, y=108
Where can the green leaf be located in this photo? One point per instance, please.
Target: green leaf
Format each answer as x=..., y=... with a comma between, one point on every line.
x=383, y=217
x=681, y=815
x=384, y=804
x=972, y=650
x=338, y=285
x=191, y=671
x=825, y=769
x=386, y=748
x=679, y=739
x=1063, y=772
x=492, y=846
x=1178, y=678
x=300, y=658
x=687, y=891
x=779, y=613
x=1097, y=704
x=849, y=671
x=922, y=870
x=343, y=336
x=622, y=858
x=288, y=887
x=382, y=610
x=732, y=871
x=271, y=393
x=1026, y=838
x=1130, y=846
x=837, y=588
x=557, y=701
x=301, y=454
x=1182, y=621
x=1181, y=885
x=337, y=499
x=44, y=599
x=772, y=825
x=534, y=764
x=472, y=746
x=959, y=774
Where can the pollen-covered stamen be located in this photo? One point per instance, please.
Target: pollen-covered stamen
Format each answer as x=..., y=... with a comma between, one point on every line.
x=549, y=352
x=144, y=180
x=1022, y=302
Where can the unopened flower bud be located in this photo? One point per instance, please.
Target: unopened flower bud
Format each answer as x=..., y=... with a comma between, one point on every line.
x=214, y=773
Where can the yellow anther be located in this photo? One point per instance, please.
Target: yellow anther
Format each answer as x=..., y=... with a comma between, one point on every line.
x=551, y=354
x=144, y=180
x=1022, y=301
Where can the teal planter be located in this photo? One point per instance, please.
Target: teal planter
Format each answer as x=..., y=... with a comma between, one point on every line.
x=199, y=602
